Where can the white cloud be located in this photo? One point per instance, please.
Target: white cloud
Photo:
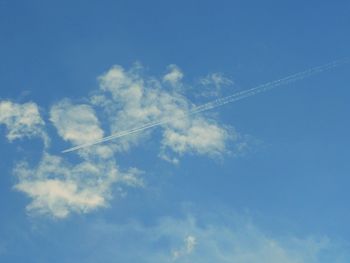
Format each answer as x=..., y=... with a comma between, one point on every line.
x=174, y=75
x=58, y=188
x=59, y=197
x=198, y=136
x=131, y=100
x=76, y=123
x=22, y=120
x=189, y=245
x=133, y=177
x=213, y=84
x=126, y=102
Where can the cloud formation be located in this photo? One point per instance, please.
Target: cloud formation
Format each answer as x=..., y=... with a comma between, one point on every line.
x=22, y=120
x=130, y=100
x=59, y=185
x=173, y=76
x=75, y=123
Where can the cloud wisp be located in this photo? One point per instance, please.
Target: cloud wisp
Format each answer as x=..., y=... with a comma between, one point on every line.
x=217, y=103
x=224, y=239
x=22, y=121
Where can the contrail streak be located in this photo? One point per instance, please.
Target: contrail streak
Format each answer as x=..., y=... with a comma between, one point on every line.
x=219, y=102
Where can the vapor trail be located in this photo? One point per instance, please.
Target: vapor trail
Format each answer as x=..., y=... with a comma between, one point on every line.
x=219, y=102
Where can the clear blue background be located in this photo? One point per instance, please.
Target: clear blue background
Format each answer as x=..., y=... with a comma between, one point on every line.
x=297, y=177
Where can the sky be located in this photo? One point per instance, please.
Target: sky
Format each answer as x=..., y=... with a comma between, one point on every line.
x=260, y=180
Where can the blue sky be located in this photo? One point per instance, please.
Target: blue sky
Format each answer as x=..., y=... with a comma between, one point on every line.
x=263, y=179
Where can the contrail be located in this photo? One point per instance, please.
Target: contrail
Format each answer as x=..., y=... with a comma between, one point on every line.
x=219, y=102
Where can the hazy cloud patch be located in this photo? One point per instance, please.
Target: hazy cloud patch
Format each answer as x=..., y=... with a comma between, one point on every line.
x=185, y=240
x=213, y=83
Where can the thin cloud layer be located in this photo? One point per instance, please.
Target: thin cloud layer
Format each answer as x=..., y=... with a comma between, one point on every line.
x=223, y=239
x=189, y=245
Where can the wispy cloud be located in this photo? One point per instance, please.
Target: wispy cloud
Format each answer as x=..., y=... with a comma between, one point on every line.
x=213, y=83
x=22, y=120
x=189, y=245
x=222, y=239
x=173, y=76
